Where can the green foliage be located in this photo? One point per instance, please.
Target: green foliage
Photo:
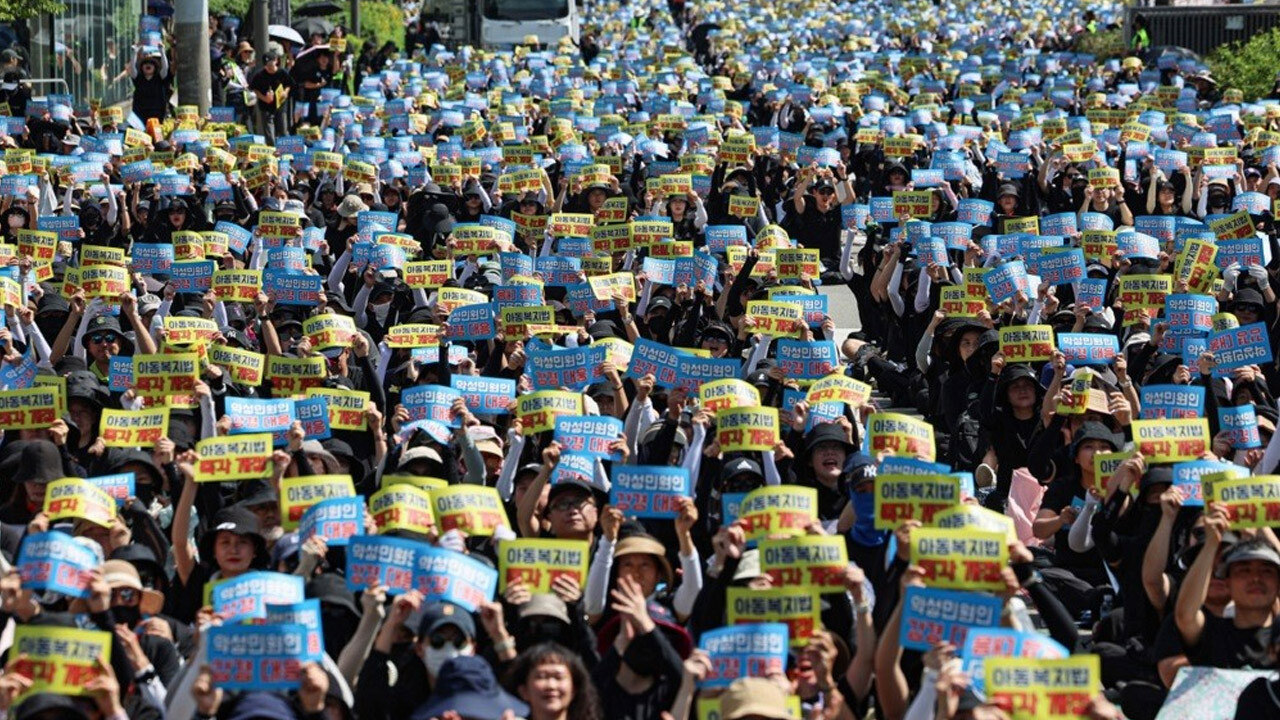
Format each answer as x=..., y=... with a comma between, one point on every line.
x=1249, y=66
x=22, y=9
x=1103, y=44
x=379, y=21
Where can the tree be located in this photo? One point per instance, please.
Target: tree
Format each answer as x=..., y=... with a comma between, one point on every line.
x=23, y=9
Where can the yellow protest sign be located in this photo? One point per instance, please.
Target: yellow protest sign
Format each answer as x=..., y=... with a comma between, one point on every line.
x=104, y=281
x=604, y=287
x=240, y=286
x=747, y=428
x=798, y=263
x=1037, y=689
x=1145, y=291
x=778, y=510
x=188, y=330
x=728, y=393
x=450, y=298
x=743, y=206
x=474, y=509
x=899, y=498
x=1236, y=226
x=779, y=319
x=611, y=239
x=98, y=255
x=329, y=330
x=563, y=225
x=58, y=660
x=976, y=517
x=956, y=302
x=537, y=563
x=79, y=499
x=1030, y=225
x=346, y=407
x=413, y=335
x=244, y=366
x=799, y=608
x=402, y=507
x=960, y=559
x=1195, y=265
x=165, y=374
x=912, y=203
x=900, y=435
x=808, y=561
x=32, y=408
x=39, y=245
x=133, y=428
x=234, y=457
x=1171, y=440
x=514, y=319
x=1080, y=387
x=299, y=493
x=1250, y=502
x=292, y=376
x=1026, y=343
x=838, y=387
x=538, y=410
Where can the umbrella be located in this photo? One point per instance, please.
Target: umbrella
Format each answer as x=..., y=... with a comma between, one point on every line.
x=320, y=8
x=309, y=26
x=286, y=33
x=1152, y=56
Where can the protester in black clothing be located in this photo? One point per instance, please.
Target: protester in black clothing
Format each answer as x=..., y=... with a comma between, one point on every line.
x=151, y=85
x=273, y=86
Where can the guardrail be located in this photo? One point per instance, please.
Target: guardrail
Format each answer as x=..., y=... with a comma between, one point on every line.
x=1201, y=28
x=66, y=89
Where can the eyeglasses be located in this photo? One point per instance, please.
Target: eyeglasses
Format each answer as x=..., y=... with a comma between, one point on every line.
x=439, y=641
x=102, y=338
x=565, y=504
x=125, y=595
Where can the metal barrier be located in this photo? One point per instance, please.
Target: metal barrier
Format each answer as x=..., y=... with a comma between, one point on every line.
x=66, y=89
x=1202, y=28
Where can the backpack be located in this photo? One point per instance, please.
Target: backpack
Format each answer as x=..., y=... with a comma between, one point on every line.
x=969, y=441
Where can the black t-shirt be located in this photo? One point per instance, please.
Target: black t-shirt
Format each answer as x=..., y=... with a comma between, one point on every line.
x=821, y=230
x=1222, y=644
x=265, y=82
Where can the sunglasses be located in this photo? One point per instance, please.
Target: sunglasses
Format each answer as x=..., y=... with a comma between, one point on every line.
x=826, y=191
x=104, y=338
x=439, y=641
x=125, y=595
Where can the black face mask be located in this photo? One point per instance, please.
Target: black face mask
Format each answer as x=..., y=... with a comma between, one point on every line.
x=542, y=630
x=127, y=616
x=145, y=493
x=339, y=626
x=642, y=657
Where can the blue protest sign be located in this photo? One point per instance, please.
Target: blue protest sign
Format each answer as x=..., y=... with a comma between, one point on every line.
x=446, y=576
x=956, y=235
x=692, y=371
x=1095, y=221
x=251, y=415
x=287, y=288
x=515, y=295
x=237, y=237
x=902, y=465
x=473, y=322
x=307, y=614
x=739, y=651
x=721, y=236
x=1088, y=348
x=486, y=395
x=1062, y=267
x=120, y=486
x=1241, y=346
x=152, y=258
x=1091, y=293
x=589, y=435
x=932, y=615
x=1186, y=475
x=974, y=211
x=1161, y=227
x=374, y=560
x=56, y=562
x=1187, y=313
x=246, y=596
x=313, y=413
x=1004, y=282
x=1137, y=245
x=22, y=374
x=1240, y=423
x=191, y=276
x=556, y=270
x=815, y=306
x=431, y=402
x=1059, y=224
x=259, y=657
x=337, y=520
x=67, y=226
x=1172, y=401
x=807, y=360
x=649, y=491
x=120, y=372
x=572, y=368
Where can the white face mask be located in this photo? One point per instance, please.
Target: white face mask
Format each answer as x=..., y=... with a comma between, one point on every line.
x=380, y=311
x=435, y=659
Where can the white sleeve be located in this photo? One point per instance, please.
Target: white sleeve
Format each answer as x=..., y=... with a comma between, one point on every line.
x=208, y=417
x=1079, y=537
x=759, y=352
x=334, y=283
x=772, y=477
x=639, y=417
x=362, y=302
x=690, y=584
x=693, y=454
x=510, y=466
x=922, y=291
x=925, y=703
x=596, y=596
x=895, y=297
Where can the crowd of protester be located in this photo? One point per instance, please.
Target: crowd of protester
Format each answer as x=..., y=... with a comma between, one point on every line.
x=961, y=169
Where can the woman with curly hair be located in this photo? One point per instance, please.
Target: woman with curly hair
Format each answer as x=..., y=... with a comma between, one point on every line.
x=555, y=684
